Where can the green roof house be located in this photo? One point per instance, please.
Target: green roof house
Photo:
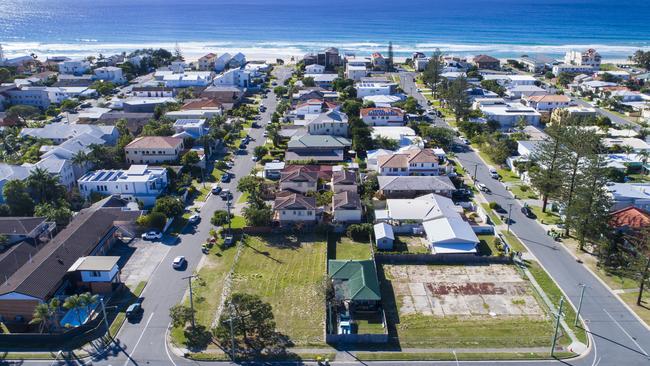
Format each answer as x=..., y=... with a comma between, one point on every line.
x=355, y=281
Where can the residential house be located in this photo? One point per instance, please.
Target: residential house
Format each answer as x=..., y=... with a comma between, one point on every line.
x=203, y=108
x=384, y=236
x=523, y=91
x=237, y=60
x=572, y=69
x=405, y=136
x=323, y=80
x=629, y=194
x=630, y=219
x=228, y=96
x=486, y=62
x=414, y=186
x=206, y=62
x=190, y=128
x=307, y=94
x=314, y=69
x=355, y=283
x=134, y=121
x=320, y=148
x=507, y=114
x=588, y=57
x=344, y=180
x=234, y=77
x=37, y=96
x=300, y=179
x=141, y=104
x=154, y=150
x=636, y=144
x=138, y=183
x=312, y=107
x=294, y=207
x=35, y=275
x=221, y=62
x=10, y=172
x=98, y=274
x=31, y=229
x=445, y=229
x=548, y=102
x=273, y=170
x=346, y=207
x=580, y=111
x=332, y=122
x=617, y=74
x=329, y=58
x=355, y=69
x=110, y=74
x=536, y=63
x=60, y=132
x=365, y=89
x=528, y=149
x=152, y=91
x=383, y=116
x=414, y=161
x=183, y=79
x=383, y=100
x=378, y=61
x=420, y=63
x=74, y=67
x=62, y=169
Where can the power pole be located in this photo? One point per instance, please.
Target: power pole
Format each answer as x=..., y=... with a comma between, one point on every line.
x=557, y=325
x=232, y=334
x=509, y=213
x=228, y=205
x=189, y=280
x=475, y=170
x=582, y=295
x=108, y=329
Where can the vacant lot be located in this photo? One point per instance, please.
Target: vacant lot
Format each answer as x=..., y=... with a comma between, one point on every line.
x=347, y=248
x=463, y=306
x=288, y=272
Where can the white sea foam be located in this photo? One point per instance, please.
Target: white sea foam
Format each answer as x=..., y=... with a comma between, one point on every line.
x=284, y=49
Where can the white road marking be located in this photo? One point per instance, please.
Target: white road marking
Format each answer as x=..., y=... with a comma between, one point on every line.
x=167, y=348
x=626, y=333
x=138, y=342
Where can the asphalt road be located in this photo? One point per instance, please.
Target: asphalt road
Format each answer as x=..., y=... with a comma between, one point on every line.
x=618, y=338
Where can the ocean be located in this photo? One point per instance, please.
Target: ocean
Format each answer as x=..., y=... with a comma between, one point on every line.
x=503, y=28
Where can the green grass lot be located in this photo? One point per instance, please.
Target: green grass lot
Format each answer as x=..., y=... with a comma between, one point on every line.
x=507, y=175
x=643, y=310
x=554, y=294
x=491, y=214
x=440, y=356
x=238, y=222
x=207, y=289
x=521, y=194
x=514, y=243
x=639, y=178
x=243, y=198
x=347, y=248
x=487, y=245
x=287, y=272
x=409, y=244
x=548, y=217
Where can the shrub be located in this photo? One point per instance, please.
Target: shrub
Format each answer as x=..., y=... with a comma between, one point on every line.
x=524, y=188
x=494, y=205
x=359, y=232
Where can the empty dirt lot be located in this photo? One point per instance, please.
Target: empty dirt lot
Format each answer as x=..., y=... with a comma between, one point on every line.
x=476, y=291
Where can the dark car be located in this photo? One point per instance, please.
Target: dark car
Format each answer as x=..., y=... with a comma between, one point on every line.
x=134, y=310
x=528, y=212
x=225, y=178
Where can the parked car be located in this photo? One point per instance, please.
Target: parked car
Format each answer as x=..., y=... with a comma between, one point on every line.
x=216, y=189
x=152, y=235
x=483, y=188
x=254, y=158
x=228, y=240
x=528, y=212
x=225, y=194
x=134, y=310
x=179, y=262
x=465, y=141
x=194, y=219
x=265, y=134
x=494, y=174
x=225, y=178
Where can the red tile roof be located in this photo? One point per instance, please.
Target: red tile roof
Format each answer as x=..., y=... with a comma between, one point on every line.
x=630, y=217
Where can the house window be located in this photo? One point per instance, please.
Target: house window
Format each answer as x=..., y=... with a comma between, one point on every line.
x=95, y=274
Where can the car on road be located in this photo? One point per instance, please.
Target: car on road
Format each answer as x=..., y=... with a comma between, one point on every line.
x=528, y=212
x=465, y=141
x=194, y=219
x=179, y=262
x=216, y=189
x=265, y=134
x=494, y=174
x=152, y=235
x=483, y=188
x=85, y=105
x=255, y=125
x=254, y=158
x=225, y=178
x=274, y=83
x=225, y=194
x=230, y=164
x=134, y=310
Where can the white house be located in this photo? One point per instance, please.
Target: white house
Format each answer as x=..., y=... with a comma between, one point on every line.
x=184, y=79
x=109, y=73
x=294, y=207
x=233, y=77
x=74, y=67
x=383, y=116
x=222, y=61
x=37, y=96
x=333, y=122
x=355, y=72
x=273, y=170
x=588, y=57
x=636, y=144
x=346, y=207
x=384, y=236
x=548, y=102
x=138, y=183
x=58, y=167
x=507, y=114
x=629, y=194
x=365, y=89
x=520, y=91
x=314, y=69
x=572, y=69
x=194, y=128
x=100, y=273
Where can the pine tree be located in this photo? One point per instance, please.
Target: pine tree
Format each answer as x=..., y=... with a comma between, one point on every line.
x=431, y=74
x=389, y=62
x=549, y=158
x=456, y=97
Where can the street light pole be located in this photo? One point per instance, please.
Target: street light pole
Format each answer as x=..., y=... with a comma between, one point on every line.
x=509, y=214
x=582, y=295
x=475, y=169
x=557, y=325
x=189, y=280
x=108, y=329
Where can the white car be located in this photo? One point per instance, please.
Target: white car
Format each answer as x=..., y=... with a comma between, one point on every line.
x=265, y=134
x=152, y=235
x=465, y=141
x=254, y=158
x=179, y=262
x=194, y=219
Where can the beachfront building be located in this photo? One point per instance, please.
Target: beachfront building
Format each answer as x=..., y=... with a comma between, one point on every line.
x=547, y=102
x=206, y=62
x=138, y=183
x=74, y=67
x=234, y=77
x=109, y=74
x=486, y=62
x=588, y=57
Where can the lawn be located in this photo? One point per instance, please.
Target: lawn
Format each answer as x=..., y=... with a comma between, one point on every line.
x=639, y=178
x=514, y=243
x=409, y=244
x=548, y=217
x=490, y=212
x=523, y=193
x=507, y=175
x=467, y=356
x=287, y=272
x=487, y=245
x=207, y=288
x=238, y=222
x=554, y=294
x=347, y=248
x=243, y=198
x=642, y=311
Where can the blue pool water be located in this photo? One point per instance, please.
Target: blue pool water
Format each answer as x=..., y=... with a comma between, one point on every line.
x=73, y=315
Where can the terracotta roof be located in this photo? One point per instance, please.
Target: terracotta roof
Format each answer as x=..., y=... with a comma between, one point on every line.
x=295, y=201
x=346, y=200
x=382, y=111
x=148, y=142
x=346, y=177
x=630, y=217
x=549, y=98
x=402, y=160
x=485, y=58
x=393, y=161
x=203, y=103
x=422, y=156
x=324, y=172
x=209, y=55
x=299, y=175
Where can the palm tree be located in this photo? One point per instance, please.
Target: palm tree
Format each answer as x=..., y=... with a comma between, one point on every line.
x=74, y=302
x=81, y=158
x=627, y=149
x=42, y=182
x=43, y=315
x=87, y=299
x=645, y=156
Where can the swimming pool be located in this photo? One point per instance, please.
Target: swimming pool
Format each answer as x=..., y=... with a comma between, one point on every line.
x=72, y=316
